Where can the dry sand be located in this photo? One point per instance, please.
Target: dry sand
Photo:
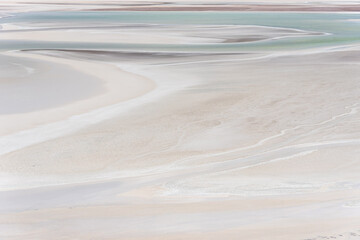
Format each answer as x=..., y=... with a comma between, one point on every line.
x=145, y=146
x=243, y=161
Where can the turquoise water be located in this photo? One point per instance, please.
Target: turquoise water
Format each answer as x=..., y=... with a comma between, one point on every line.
x=342, y=31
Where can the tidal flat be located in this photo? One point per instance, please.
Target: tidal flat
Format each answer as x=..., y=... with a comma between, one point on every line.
x=147, y=120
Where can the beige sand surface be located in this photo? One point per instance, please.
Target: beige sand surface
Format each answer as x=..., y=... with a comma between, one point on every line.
x=240, y=161
x=260, y=146
x=116, y=86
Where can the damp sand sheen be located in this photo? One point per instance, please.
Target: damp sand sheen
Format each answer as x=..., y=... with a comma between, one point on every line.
x=142, y=120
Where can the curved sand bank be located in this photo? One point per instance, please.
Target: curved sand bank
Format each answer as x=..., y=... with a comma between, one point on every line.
x=30, y=85
x=116, y=85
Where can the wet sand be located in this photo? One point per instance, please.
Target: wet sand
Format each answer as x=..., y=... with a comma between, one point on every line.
x=153, y=34
x=199, y=143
